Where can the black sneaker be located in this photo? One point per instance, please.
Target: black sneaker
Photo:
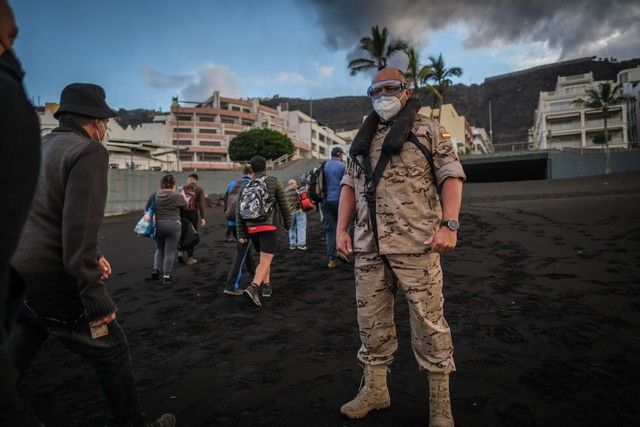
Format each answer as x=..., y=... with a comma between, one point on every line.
x=155, y=275
x=253, y=292
x=267, y=290
x=167, y=420
x=168, y=280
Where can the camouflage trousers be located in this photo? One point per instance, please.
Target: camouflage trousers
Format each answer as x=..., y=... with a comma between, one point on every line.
x=420, y=278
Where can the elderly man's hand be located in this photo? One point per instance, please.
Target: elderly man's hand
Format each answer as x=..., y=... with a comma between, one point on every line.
x=105, y=268
x=105, y=320
x=443, y=240
x=8, y=28
x=343, y=243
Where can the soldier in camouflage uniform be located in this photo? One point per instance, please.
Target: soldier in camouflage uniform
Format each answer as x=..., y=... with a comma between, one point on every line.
x=415, y=225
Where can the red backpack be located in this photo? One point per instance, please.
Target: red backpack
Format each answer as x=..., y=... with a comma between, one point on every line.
x=191, y=196
x=305, y=201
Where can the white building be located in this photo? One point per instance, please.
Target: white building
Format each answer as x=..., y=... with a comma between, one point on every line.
x=630, y=81
x=310, y=138
x=144, y=147
x=480, y=143
x=559, y=123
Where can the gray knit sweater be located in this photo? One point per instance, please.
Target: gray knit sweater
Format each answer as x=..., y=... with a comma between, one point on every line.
x=58, y=251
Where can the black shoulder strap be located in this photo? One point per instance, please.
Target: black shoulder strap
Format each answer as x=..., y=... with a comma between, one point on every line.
x=371, y=180
x=426, y=152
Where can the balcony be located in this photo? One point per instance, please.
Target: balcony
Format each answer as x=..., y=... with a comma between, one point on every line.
x=207, y=149
x=208, y=165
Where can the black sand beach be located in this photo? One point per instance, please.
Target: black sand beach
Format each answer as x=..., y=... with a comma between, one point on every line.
x=543, y=297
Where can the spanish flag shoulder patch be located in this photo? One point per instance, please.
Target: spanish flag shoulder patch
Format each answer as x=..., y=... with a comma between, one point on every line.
x=445, y=134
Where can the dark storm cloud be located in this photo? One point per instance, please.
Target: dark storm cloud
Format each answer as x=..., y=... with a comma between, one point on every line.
x=574, y=27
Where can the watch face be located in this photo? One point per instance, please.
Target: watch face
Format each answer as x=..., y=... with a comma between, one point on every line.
x=453, y=224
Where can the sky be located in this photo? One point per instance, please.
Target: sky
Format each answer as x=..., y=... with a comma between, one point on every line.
x=145, y=52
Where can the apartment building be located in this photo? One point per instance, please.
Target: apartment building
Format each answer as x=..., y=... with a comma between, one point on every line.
x=457, y=125
x=310, y=138
x=201, y=133
x=558, y=122
x=480, y=143
x=630, y=81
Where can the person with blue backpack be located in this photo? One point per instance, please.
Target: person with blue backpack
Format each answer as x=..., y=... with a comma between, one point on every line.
x=257, y=209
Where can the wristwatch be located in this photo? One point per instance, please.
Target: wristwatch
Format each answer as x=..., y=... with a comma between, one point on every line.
x=451, y=224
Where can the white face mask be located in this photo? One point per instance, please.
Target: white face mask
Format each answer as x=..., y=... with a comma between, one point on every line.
x=387, y=107
x=102, y=140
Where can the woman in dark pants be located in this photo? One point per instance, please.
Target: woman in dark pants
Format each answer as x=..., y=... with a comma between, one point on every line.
x=168, y=204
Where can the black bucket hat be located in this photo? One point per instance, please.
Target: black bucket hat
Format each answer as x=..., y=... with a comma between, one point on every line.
x=86, y=99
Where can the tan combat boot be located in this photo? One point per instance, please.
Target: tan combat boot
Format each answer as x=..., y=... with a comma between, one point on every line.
x=373, y=393
x=439, y=402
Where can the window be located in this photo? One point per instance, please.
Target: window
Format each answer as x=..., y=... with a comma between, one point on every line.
x=314, y=134
x=206, y=118
x=184, y=118
x=209, y=157
x=208, y=131
x=182, y=142
x=322, y=150
x=228, y=120
x=210, y=143
x=234, y=108
x=321, y=138
x=186, y=157
x=246, y=110
x=247, y=123
x=183, y=130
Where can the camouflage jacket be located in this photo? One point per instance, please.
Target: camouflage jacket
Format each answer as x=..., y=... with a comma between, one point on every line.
x=408, y=207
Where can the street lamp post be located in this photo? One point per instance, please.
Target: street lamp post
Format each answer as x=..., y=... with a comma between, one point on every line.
x=490, y=124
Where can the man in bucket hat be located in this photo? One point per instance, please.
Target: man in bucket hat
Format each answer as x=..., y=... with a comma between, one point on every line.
x=58, y=256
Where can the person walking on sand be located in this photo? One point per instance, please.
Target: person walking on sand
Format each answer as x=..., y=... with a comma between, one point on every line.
x=196, y=203
x=169, y=205
x=231, y=202
x=400, y=162
x=258, y=205
x=243, y=256
x=298, y=230
x=333, y=172
x=58, y=257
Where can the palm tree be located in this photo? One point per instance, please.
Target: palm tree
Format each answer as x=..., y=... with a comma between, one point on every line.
x=441, y=76
x=604, y=98
x=379, y=48
x=417, y=74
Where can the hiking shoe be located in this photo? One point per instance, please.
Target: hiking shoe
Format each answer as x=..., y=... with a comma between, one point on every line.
x=302, y=248
x=167, y=420
x=253, y=292
x=233, y=292
x=333, y=263
x=155, y=275
x=168, y=280
x=291, y=247
x=267, y=290
x=191, y=260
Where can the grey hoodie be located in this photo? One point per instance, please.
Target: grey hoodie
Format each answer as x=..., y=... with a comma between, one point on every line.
x=168, y=204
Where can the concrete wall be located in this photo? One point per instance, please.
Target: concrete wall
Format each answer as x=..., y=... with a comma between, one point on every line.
x=563, y=164
x=130, y=189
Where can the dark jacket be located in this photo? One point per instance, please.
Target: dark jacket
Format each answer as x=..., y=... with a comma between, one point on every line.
x=19, y=165
x=201, y=200
x=291, y=194
x=276, y=192
x=58, y=252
